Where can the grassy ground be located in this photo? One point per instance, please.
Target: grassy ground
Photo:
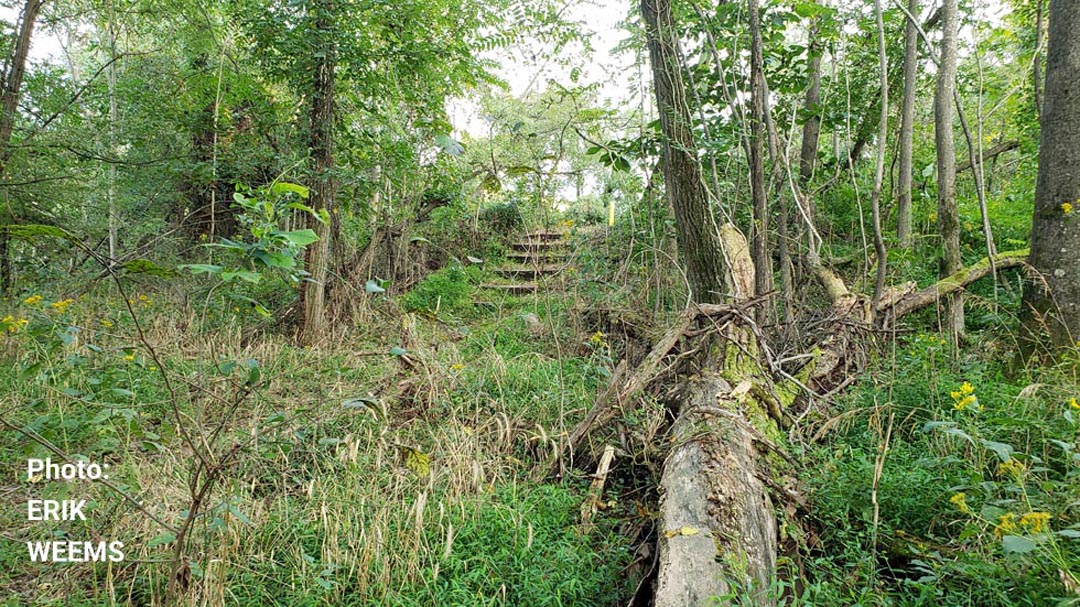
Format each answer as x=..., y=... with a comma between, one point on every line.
x=359, y=473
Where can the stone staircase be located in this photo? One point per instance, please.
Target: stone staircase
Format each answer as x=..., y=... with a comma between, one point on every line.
x=537, y=255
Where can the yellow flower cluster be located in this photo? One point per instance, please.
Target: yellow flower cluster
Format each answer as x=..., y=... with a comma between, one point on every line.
x=1007, y=525
x=1011, y=468
x=960, y=501
x=1073, y=404
x=1035, y=522
x=597, y=339
x=32, y=300
x=964, y=398
x=1067, y=208
x=12, y=324
x=61, y=306
x=143, y=300
x=1032, y=522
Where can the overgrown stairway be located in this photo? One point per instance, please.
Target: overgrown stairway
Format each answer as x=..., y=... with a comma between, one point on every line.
x=536, y=256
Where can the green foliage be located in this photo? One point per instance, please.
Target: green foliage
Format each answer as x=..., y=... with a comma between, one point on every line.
x=977, y=495
x=270, y=249
x=503, y=219
x=447, y=290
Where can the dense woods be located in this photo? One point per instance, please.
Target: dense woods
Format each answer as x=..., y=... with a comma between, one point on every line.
x=448, y=302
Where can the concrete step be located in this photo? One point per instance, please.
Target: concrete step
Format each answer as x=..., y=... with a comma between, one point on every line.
x=537, y=257
x=528, y=272
x=539, y=245
x=544, y=235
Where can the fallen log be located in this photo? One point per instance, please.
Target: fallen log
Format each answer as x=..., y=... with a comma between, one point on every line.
x=956, y=282
x=717, y=538
x=990, y=154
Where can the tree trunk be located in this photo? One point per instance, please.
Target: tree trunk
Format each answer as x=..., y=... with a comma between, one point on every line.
x=907, y=127
x=13, y=78
x=948, y=216
x=879, y=168
x=321, y=141
x=699, y=238
x=9, y=107
x=760, y=241
x=1052, y=300
x=811, y=130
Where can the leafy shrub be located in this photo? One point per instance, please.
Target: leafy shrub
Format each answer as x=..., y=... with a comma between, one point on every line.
x=503, y=218
x=447, y=290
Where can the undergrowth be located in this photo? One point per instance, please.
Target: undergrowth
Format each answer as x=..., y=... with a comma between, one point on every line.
x=390, y=468
x=978, y=492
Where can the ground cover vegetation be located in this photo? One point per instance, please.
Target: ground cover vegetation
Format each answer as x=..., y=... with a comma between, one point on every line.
x=795, y=320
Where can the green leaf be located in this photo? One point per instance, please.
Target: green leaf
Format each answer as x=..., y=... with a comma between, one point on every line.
x=283, y=187
x=1003, y=451
x=35, y=231
x=372, y=286
x=145, y=266
x=1015, y=544
x=416, y=461
x=359, y=402
x=273, y=259
x=164, y=538
x=300, y=238
x=201, y=268
x=1071, y=534
x=245, y=275
x=398, y=351
x=449, y=145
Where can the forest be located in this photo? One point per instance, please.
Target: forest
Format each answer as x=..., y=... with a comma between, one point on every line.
x=670, y=303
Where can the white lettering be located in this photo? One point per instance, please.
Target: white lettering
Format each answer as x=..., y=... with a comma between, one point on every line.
x=75, y=552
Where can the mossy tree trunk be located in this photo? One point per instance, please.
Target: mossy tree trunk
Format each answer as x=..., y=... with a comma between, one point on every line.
x=1052, y=298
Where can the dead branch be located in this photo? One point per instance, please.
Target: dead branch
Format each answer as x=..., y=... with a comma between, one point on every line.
x=956, y=282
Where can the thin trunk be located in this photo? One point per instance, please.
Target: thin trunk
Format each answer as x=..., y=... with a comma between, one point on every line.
x=763, y=282
x=110, y=76
x=9, y=104
x=321, y=141
x=1036, y=63
x=811, y=130
x=879, y=171
x=1052, y=300
x=907, y=127
x=699, y=237
x=948, y=216
x=13, y=78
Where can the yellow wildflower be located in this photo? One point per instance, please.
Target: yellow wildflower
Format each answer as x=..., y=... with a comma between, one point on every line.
x=1067, y=208
x=1006, y=524
x=1073, y=404
x=1011, y=468
x=597, y=339
x=129, y=357
x=960, y=501
x=1036, y=522
x=33, y=299
x=60, y=306
x=457, y=367
x=964, y=397
x=106, y=323
x=13, y=324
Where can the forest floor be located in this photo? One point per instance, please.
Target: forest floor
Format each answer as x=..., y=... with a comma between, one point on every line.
x=395, y=464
